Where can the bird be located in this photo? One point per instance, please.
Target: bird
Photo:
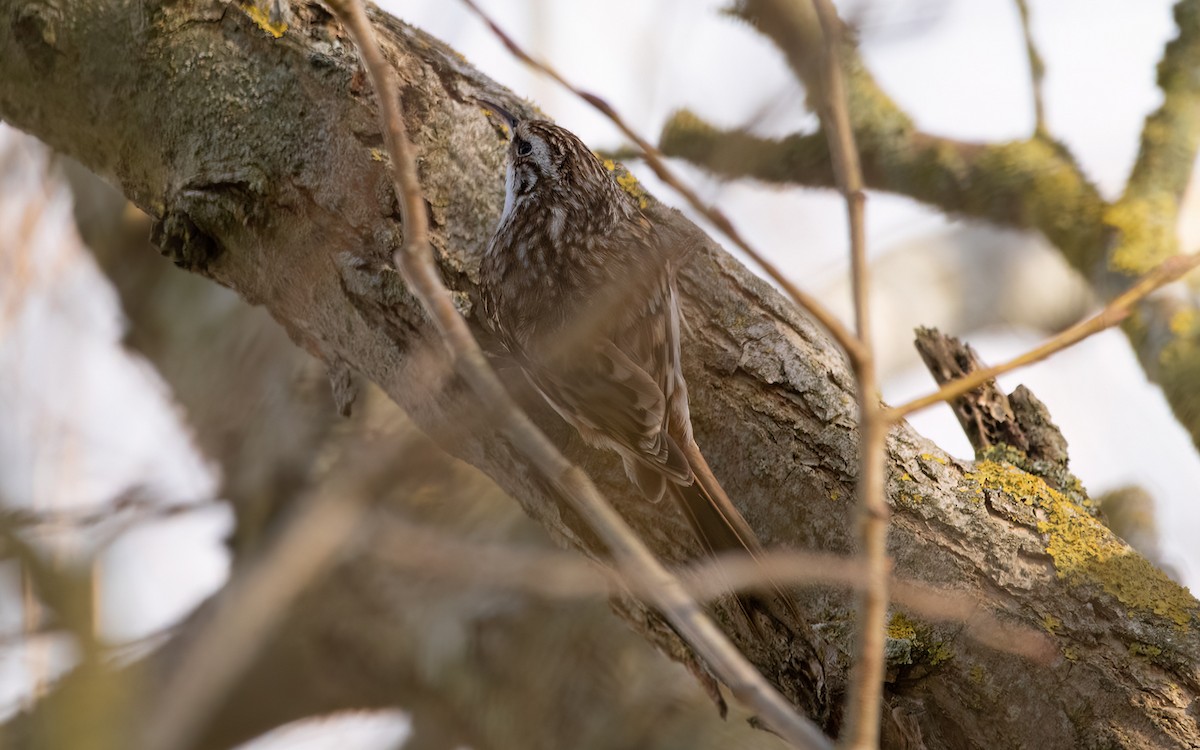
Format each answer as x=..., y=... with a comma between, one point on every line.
x=579, y=287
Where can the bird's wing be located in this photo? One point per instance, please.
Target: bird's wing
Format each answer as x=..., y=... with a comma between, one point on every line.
x=612, y=400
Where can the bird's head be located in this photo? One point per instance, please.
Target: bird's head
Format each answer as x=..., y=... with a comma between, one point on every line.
x=548, y=164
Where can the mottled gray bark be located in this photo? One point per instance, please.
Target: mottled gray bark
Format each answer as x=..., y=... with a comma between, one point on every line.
x=259, y=157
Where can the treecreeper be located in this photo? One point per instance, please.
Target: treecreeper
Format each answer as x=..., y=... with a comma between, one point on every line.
x=578, y=286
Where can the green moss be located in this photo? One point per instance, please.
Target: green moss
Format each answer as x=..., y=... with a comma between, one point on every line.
x=1046, y=189
x=1085, y=552
x=1171, y=355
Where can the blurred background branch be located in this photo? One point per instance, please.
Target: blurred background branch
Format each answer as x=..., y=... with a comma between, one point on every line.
x=1034, y=184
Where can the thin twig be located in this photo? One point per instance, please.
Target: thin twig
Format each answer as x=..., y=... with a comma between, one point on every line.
x=36, y=652
x=865, y=689
x=143, y=508
x=656, y=161
x=416, y=263
x=1113, y=313
x=440, y=556
x=1037, y=70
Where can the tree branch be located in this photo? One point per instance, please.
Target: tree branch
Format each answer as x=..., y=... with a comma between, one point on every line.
x=1144, y=219
x=1034, y=184
x=1037, y=71
x=259, y=158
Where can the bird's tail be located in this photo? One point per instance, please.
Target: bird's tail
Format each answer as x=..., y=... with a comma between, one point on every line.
x=716, y=535
x=721, y=528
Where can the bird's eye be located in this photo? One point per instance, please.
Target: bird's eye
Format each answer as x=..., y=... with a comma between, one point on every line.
x=524, y=147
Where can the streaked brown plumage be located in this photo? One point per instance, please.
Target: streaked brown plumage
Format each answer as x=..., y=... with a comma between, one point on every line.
x=579, y=286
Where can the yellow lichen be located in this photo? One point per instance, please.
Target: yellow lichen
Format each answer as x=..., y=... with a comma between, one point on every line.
x=1036, y=169
x=1178, y=354
x=1180, y=357
x=931, y=457
x=900, y=627
x=1147, y=231
x=503, y=123
x=1084, y=551
x=1051, y=623
x=628, y=183
x=923, y=647
x=939, y=653
x=1184, y=322
x=977, y=674
x=262, y=18
x=1144, y=649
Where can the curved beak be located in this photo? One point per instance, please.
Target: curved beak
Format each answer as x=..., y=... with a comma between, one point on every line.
x=507, y=116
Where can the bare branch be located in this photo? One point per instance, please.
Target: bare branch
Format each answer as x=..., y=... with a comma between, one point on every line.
x=865, y=693
x=1037, y=71
x=1146, y=215
x=1032, y=184
x=562, y=576
x=143, y=508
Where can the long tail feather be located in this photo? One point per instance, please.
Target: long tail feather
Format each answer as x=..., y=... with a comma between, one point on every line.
x=716, y=535
x=722, y=528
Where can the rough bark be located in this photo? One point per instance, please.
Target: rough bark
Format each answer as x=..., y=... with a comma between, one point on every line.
x=259, y=157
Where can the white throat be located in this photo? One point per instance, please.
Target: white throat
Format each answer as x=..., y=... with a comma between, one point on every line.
x=510, y=188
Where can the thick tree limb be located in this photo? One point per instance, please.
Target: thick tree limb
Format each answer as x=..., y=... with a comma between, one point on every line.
x=258, y=156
